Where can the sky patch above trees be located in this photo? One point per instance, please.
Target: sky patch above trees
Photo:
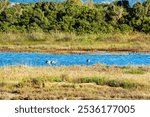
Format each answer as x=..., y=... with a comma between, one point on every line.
x=99, y=1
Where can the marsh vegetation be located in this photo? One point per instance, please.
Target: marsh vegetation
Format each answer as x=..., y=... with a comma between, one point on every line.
x=74, y=27
x=75, y=82
x=60, y=42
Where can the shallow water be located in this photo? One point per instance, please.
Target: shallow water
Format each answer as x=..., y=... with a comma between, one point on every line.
x=39, y=59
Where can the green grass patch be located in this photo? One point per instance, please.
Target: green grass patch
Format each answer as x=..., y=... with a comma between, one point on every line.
x=137, y=71
x=124, y=84
x=39, y=82
x=112, y=83
x=96, y=80
x=86, y=40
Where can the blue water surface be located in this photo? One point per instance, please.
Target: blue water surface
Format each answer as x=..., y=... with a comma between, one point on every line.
x=38, y=59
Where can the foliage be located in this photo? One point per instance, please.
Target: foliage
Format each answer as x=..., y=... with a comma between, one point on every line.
x=74, y=16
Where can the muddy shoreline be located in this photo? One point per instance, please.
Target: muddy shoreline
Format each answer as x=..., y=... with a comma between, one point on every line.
x=69, y=51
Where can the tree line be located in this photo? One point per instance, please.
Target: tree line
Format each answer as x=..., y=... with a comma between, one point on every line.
x=75, y=16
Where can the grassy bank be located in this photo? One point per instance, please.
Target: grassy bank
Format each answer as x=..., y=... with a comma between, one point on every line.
x=57, y=42
x=75, y=82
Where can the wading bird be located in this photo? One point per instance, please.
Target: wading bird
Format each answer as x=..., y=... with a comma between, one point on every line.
x=51, y=62
x=88, y=61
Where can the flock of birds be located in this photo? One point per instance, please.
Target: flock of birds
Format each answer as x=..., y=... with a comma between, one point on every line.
x=53, y=62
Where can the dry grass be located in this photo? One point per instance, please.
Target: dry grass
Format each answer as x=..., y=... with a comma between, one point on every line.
x=75, y=82
x=39, y=42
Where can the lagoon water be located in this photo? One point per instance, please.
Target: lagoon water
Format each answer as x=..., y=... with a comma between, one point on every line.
x=39, y=59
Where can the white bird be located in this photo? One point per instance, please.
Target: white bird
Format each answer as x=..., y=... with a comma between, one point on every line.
x=51, y=62
x=88, y=61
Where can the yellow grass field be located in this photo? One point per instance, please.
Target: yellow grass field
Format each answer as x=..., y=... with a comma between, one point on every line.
x=58, y=42
x=75, y=82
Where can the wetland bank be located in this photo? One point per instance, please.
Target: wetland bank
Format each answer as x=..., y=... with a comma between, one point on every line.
x=75, y=82
x=74, y=27
x=72, y=82
x=95, y=81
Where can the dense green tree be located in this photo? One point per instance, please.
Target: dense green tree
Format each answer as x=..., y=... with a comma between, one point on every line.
x=73, y=2
x=74, y=16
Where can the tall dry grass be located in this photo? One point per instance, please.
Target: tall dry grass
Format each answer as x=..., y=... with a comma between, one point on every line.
x=59, y=40
x=138, y=75
x=75, y=82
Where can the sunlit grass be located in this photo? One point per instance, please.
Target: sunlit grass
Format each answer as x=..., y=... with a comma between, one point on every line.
x=74, y=82
x=135, y=71
x=39, y=42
